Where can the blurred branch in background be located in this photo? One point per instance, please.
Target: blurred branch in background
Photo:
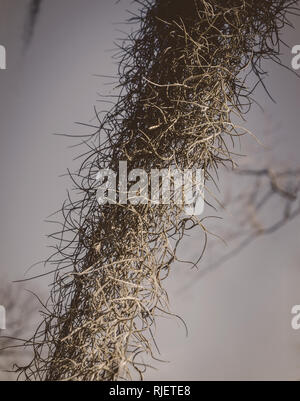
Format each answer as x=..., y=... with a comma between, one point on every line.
x=34, y=9
x=264, y=191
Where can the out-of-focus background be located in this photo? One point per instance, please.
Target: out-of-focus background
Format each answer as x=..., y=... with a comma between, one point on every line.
x=238, y=312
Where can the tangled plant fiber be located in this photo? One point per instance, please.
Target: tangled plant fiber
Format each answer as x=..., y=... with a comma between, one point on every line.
x=183, y=76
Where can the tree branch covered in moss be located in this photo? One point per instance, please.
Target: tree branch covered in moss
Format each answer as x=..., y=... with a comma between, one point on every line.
x=184, y=76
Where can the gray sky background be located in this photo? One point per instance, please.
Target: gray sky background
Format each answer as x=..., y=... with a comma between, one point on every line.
x=239, y=315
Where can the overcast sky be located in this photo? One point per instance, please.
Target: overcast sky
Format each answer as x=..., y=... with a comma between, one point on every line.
x=239, y=315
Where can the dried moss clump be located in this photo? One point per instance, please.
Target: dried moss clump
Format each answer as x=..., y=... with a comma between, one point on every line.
x=183, y=76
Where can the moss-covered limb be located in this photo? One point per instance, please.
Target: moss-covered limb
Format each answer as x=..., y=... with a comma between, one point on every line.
x=182, y=75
